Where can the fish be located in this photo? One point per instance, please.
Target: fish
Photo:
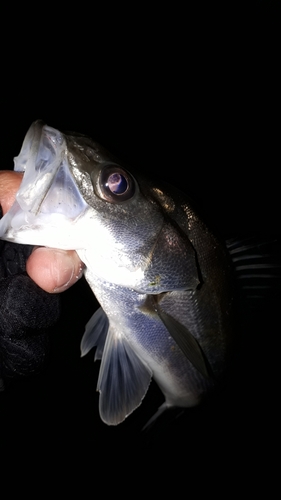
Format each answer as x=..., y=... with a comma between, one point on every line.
x=162, y=277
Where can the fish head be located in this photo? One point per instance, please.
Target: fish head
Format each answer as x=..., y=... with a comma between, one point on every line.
x=76, y=195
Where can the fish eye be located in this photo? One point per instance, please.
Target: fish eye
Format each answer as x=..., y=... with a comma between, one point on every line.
x=115, y=184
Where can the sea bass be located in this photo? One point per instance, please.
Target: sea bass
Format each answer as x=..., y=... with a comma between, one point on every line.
x=162, y=278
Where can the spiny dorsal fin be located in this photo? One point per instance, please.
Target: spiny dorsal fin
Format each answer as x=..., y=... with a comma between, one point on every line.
x=257, y=267
x=95, y=334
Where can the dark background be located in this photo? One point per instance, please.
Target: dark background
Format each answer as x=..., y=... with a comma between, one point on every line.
x=195, y=102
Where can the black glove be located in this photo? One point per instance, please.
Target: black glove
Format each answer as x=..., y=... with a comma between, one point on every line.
x=26, y=313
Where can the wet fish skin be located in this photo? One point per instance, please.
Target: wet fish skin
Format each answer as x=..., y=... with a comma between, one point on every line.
x=162, y=278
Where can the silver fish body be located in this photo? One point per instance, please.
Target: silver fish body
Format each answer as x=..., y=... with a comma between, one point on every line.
x=162, y=278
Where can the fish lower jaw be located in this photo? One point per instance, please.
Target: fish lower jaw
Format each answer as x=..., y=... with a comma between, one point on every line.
x=32, y=236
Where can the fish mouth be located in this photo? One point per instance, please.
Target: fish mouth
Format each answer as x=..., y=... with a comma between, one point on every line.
x=48, y=196
x=41, y=159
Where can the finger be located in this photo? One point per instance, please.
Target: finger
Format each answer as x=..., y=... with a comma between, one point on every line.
x=9, y=185
x=54, y=270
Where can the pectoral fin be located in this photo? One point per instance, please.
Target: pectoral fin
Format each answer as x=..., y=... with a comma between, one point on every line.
x=123, y=380
x=185, y=340
x=95, y=334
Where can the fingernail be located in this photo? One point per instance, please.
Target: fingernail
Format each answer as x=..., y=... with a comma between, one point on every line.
x=63, y=270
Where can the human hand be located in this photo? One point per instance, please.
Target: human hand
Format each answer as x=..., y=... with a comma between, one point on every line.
x=27, y=311
x=52, y=269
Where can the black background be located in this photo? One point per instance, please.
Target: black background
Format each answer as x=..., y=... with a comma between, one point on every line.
x=194, y=101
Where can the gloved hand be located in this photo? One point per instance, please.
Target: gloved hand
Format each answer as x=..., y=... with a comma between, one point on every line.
x=26, y=312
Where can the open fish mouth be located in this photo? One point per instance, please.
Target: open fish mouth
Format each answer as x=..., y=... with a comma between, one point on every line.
x=48, y=196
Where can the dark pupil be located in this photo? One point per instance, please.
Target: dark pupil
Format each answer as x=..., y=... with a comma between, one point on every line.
x=117, y=183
